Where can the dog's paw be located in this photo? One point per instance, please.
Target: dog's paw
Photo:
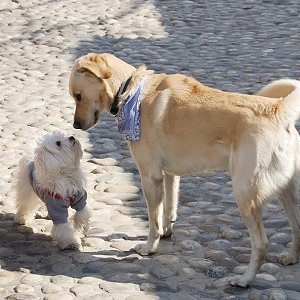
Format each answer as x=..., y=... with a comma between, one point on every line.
x=167, y=232
x=286, y=258
x=85, y=229
x=144, y=249
x=72, y=246
x=21, y=220
x=240, y=280
x=81, y=220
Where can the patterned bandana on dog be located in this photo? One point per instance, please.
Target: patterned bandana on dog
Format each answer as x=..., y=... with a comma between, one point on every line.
x=129, y=118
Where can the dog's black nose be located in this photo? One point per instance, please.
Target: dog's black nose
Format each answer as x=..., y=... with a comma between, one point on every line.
x=76, y=125
x=71, y=138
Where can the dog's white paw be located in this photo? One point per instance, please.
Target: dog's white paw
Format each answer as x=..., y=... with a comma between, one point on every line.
x=69, y=243
x=286, y=259
x=167, y=231
x=71, y=246
x=81, y=220
x=66, y=238
x=240, y=280
x=144, y=249
x=22, y=219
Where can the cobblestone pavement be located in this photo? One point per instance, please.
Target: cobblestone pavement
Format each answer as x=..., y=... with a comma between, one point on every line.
x=232, y=45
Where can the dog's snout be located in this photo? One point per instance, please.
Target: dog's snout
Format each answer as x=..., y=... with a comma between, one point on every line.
x=76, y=125
x=71, y=138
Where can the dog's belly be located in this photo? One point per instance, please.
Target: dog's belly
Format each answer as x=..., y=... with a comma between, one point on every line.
x=180, y=155
x=191, y=163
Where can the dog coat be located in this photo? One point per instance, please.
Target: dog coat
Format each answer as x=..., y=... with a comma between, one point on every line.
x=57, y=206
x=129, y=118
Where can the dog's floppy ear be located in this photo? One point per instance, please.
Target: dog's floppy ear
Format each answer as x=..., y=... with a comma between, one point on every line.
x=95, y=63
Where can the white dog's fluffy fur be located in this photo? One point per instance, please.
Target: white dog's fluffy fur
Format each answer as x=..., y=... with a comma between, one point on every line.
x=56, y=170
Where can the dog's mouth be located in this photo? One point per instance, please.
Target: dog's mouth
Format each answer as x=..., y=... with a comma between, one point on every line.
x=87, y=124
x=48, y=150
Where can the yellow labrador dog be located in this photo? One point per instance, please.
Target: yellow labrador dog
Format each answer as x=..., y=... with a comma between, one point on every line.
x=186, y=128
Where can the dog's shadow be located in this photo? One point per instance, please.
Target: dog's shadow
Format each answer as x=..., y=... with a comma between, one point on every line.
x=24, y=250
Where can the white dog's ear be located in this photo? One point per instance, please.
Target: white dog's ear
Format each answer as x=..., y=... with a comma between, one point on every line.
x=40, y=154
x=95, y=63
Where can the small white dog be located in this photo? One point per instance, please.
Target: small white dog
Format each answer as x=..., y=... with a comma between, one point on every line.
x=55, y=177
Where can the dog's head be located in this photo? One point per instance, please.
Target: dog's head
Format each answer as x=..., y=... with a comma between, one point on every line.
x=57, y=156
x=94, y=82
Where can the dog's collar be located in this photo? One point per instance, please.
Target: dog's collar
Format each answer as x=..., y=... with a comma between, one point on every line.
x=58, y=196
x=114, y=109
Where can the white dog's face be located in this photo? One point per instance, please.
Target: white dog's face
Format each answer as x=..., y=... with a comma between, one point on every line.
x=57, y=154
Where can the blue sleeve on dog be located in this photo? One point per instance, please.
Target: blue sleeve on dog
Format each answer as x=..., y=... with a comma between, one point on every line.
x=57, y=209
x=80, y=201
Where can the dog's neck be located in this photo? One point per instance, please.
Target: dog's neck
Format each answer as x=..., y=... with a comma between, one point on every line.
x=114, y=109
x=64, y=184
x=122, y=84
x=59, y=196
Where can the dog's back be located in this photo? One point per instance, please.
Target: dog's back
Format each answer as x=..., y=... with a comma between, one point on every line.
x=195, y=128
x=253, y=136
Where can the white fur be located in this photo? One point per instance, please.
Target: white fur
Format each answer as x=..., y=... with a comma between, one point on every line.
x=57, y=169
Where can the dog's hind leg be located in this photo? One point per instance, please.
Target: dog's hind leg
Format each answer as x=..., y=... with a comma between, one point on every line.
x=250, y=207
x=171, y=187
x=152, y=184
x=288, y=199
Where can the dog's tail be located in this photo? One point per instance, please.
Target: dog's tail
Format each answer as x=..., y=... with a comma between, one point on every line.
x=23, y=172
x=288, y=91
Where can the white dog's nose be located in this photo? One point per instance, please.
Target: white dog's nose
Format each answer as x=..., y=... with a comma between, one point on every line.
x=72, y=139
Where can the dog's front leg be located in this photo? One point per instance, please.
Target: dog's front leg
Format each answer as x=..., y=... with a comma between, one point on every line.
x=81, y=220
x=171, y=187
x=152, y=188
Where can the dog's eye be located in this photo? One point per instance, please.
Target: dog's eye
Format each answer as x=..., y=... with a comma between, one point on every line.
x=58, y=143
x=78, y=97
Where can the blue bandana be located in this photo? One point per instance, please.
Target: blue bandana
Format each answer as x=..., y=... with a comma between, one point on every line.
x=129, y=118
